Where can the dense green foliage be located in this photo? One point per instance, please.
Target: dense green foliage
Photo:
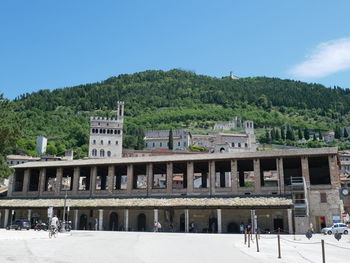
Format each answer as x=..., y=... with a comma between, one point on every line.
x=176, y=99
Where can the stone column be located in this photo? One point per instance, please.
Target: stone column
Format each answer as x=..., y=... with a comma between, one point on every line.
x=26, y=181
x=187, y=220
x=76, y=176
x=257, y=183
x=11, y=185
x=334, y=171
x=59, y=175
x=218, y=211
x=76, y=213
x=169, y=178
x=290, y=221
x=212, y=176
x=129, y=183
x=156, y=219
x=280, y=174
x=100, y=219
x=93, y=180
x=305, y=170
x=234, y=177
x=110, y=178
x=29, y=214
x=6, y=217
x=126, y=219
x=149, y=175
x=42, y=181
x=189, y=177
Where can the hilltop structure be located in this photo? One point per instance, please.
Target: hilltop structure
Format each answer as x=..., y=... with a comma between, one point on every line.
x=228, y=125
x=158, y=139
x=106, y=135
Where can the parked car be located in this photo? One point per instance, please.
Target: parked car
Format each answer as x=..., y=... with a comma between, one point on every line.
x=336, y=228
x=19, y=224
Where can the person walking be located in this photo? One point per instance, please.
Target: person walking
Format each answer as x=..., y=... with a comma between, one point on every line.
x=241, y=228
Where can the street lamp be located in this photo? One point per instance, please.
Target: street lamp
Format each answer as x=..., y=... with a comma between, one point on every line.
x=65, y=184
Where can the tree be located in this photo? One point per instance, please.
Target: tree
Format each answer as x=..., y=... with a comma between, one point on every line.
x=320, y=135
x=9, y=133
x=314, y=137
x=283, y=133
x=273, y=134
x=267, y=136
x=300, y=134
x=171, y=140
x=346, y=134
x=51, y=149
x=337, y=132
x=290, y=134
x=277, y=134
x=306, y=134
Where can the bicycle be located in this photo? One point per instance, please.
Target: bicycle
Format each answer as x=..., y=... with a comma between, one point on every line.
x=53, y=232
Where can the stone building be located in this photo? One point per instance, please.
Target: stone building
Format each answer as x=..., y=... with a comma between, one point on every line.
x=228, y=125
x=344, y=157
x=229, y=142
x=287, y=189
x=158, y=139
x=106, y=135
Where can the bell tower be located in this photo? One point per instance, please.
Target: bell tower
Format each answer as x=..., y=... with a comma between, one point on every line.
x=106, y=135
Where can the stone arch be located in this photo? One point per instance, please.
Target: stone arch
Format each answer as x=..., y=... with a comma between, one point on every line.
x=141, y=222
x=83, y=222
x=113, y=221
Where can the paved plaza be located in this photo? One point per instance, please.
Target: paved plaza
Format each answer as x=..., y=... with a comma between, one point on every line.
x=88, y=246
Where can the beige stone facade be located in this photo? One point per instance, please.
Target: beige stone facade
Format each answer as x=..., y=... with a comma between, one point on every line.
x=217, y=193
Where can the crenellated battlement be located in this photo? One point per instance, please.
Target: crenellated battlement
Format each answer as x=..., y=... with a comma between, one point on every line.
x=103, y=119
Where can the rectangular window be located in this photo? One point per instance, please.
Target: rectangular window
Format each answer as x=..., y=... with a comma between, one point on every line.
x=102, y=178
x=120, y=177
x=84, y=179
x=323, y=197
x=159, y=175
x=50, y=180
x=34, y=180
x=201, y=175
x=246, y=173
x=319, y=170
x=139, y=177
x=67, y=179
x=19, y=177
x=223, y=174
x=179, y=175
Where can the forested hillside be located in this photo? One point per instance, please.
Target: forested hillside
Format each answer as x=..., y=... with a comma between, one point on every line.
x=174, y=99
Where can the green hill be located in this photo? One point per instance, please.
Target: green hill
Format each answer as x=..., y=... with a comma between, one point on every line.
x=174, y=99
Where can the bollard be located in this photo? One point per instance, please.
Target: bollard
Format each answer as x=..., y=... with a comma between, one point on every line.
x=279, y=244
x=323, y=253
x=248, y=239
x=245, y=236
x=257, y=243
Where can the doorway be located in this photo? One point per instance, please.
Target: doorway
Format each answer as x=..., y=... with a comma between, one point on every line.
x=141, y=222
x=83, y=222
x=278, y=224
x=113, y=221
x=182, y=223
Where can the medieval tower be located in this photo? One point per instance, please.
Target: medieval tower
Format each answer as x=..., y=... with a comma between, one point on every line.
x=106, y=135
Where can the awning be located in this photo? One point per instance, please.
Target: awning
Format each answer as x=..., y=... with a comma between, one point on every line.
x=234, y=202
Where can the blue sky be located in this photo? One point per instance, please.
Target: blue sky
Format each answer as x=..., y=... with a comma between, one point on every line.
x=55, y=44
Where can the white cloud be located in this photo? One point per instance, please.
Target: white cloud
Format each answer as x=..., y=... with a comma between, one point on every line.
x=327, y=58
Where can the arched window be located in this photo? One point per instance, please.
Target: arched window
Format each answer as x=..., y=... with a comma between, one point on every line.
x=233, y=144
x=246, y=145
x=94, y=142
x=108, y=131
x=94, y=152
x=102, y=153
x=101, y=131
x=101, y=141
x=116, y=142
x=115, y=131
x=160, y=144
x=109, y=142
x=239, y=144
x=109, y=153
